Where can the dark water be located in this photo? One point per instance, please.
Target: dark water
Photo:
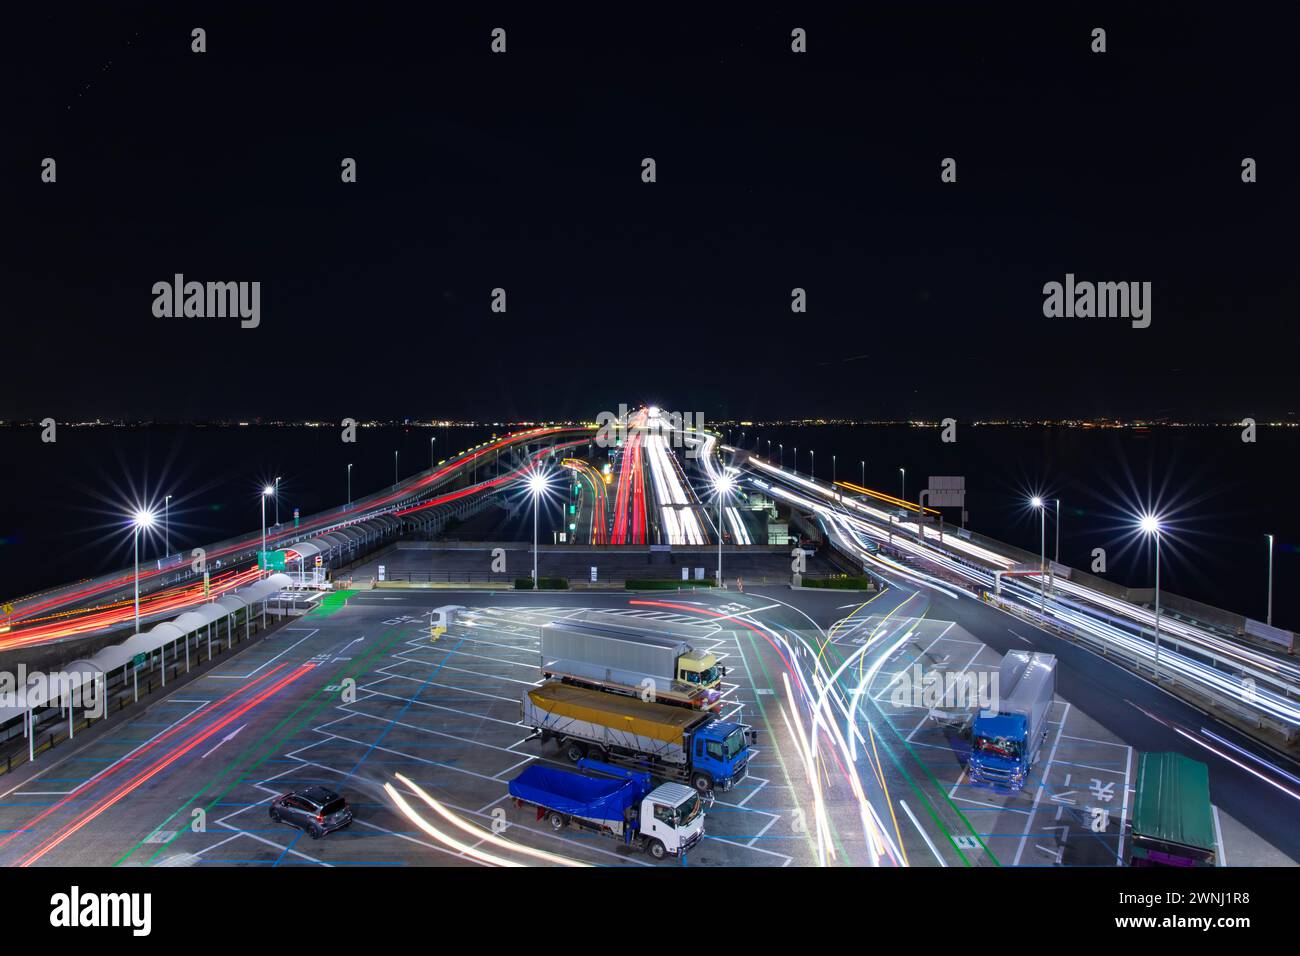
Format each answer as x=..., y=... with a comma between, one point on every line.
x=62, y=515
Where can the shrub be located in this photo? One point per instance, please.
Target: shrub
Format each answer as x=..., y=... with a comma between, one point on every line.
x=844, y=583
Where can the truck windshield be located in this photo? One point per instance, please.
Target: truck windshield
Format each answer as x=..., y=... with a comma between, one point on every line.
x=688, y=810
x=702, y=677
x=1005, y=747
x=735, y=744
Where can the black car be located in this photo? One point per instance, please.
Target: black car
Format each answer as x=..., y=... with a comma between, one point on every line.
x=318, y=810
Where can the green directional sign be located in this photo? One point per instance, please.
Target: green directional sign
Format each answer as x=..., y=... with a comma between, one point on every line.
x=270, y=560
x=139, y=661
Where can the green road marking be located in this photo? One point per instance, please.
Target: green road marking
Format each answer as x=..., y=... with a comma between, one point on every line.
x=398, y=635
x=331, y=603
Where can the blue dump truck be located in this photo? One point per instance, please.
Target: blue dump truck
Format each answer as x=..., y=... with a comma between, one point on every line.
x=666, y=820
x=674, y=743
x=1007, y=738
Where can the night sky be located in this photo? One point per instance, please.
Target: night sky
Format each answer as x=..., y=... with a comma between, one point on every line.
x=775, y=170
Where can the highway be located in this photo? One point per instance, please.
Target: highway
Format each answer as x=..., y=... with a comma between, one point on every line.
x=97, y=606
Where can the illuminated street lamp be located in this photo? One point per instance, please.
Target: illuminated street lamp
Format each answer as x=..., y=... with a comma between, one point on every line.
x=903, y=472
x=1150, y=524
x=432, y=457
x=537, y=486
x=1057, y=508
x=1269, y=619
x=277, y=501
x=722, y=487
x=140, y=520
x=1038, y=503
x=268, y=490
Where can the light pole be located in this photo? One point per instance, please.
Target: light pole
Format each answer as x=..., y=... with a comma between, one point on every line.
x=781, y=449
x=1057, y=508
x=1042, y=558
x=796, y=459
x=1150, y=524
x=394, y=467
x=432, y=457
x=812, y=464
x=167, y=524
x=722, y=487
x=268, y=490
x=903, y=472
x=1269, y=619
x=864, y=472
x=537, y=485
x=769, y=449
x=277, y=501
x=349, y=484
x=142, y=519
x=832, y=469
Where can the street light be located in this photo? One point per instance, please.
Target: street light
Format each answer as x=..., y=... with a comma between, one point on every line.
x=903, y=472
x=1037, y=502
x=796, y=459
x=781, y=449
x=864, y=472
x=1150, y=524
x=277, y=501
x=349, y=484
x=1057, y=508
x=1269, y=619
x=832, y=469
x=722, y=487
x=812, y=466
x=141, y=519
x=394, y=467
x=268, y=490
x=432, y=457
x=167, y=525
x=537, y=486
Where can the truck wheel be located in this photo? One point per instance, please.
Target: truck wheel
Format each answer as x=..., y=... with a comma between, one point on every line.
x=597, y=753
x=557, y=821
x=575, y=751
x=655, y=849
x=702, y=782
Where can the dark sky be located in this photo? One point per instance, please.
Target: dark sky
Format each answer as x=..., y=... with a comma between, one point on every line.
x=775, y=170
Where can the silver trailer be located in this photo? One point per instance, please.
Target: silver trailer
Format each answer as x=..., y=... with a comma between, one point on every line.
x=612, y=651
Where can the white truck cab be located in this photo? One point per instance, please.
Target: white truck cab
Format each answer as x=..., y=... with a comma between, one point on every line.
x=672, y=815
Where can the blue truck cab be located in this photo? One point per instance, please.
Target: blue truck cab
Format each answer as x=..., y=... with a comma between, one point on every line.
x=720, y=753
x=998, y=749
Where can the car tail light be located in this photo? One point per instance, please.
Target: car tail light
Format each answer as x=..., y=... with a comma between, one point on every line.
x=320, y=818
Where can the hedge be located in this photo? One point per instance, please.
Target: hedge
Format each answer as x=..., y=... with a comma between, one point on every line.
x=839, y=584
x=543, y=584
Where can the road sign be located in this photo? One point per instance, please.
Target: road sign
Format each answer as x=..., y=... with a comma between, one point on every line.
x=318, y=560
x=270, y=560
x=138, y=662
x=382, y=571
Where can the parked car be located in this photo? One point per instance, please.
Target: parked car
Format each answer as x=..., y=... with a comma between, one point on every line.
x=318, y=810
